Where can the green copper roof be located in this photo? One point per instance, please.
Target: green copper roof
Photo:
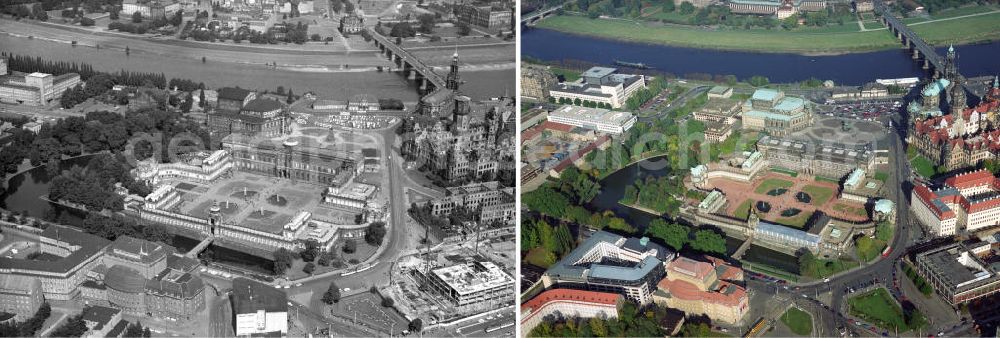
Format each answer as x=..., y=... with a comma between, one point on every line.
x=789, y=104
x=765, y=94
x=935, y=88
x=768, y=115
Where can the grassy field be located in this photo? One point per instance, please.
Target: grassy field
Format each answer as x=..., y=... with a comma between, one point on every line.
x=797, y=221
x=788, y=172
x=819, y=194
x=743, y=210
x=772, y=183
x=822, y=268
x=878, y=307
x=823, y=40
x=868, y=248
x=959, y=31
x=800, y=322
x=850, y=209
x=569, y=75
x=923, y=166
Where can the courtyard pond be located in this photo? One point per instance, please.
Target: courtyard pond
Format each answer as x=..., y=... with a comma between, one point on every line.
x=613, y=188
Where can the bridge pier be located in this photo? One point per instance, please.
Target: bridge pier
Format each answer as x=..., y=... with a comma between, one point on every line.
x=927, y=64
x=916, y=53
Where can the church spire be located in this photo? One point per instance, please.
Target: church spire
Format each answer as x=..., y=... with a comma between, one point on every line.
x=453, y=80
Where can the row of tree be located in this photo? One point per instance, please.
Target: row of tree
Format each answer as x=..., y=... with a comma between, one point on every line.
x=29, y=327
x=656, y=193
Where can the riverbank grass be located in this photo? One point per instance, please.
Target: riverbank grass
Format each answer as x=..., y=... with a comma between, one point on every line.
x=800, y=322
x=982, y=26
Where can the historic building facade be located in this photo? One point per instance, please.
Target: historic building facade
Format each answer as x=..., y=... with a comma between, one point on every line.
x=965, y=136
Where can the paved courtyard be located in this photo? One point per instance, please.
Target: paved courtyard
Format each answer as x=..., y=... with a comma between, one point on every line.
x=256, y=201
x=738, y=194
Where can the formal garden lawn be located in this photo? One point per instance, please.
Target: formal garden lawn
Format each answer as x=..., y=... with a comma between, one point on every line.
x=820, y=195
x=743, y=210
x=797, y=221
x=772, y=184
x=800, y=322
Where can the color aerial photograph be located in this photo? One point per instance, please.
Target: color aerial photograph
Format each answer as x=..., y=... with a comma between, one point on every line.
x=759, y=168
x=258, y=168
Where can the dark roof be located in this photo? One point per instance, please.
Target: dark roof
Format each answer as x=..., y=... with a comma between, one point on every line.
x=369, y=152
x=250, y=296
x=90, y=245
x=236, y=94
x=100, y=315
x=262, y=105
x=124, y=279
x=119, y=329
x=168, y=283
x=148, y=252
x=181, y=263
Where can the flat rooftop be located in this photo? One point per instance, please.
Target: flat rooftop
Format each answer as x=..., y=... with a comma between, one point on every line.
x=596, y=115
x=598, y=72
x=473, y=277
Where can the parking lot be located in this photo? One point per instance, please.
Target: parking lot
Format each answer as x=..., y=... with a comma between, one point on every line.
x=867, y=110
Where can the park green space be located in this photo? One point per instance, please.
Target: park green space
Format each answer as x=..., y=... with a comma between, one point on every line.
x=797, y=221
x=567, y=74
x=847, y=208
x=823, y=40
x=819, y=194
x=800, y=322
x=878, y=307
x=771, y=184
x=868, y=248
x=743, y=210
x=923, y=166
x=810, y=266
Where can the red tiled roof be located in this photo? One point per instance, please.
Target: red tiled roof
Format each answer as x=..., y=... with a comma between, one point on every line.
x=727, y=294
x=926, y=197
x=972, y=179
x=580, y=296
x=689, y=266
x=557, y=126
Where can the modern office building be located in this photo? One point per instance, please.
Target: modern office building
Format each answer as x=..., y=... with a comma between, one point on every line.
x=259, y=309
x=71, y=253
x=568, y=303
x=957, y=273
x=600, y=85
x=607, y=262
x=771, y=111
x=473, y=284
x=597, y=119
x=34, y=89
x=150, y=9
x=968, y=202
